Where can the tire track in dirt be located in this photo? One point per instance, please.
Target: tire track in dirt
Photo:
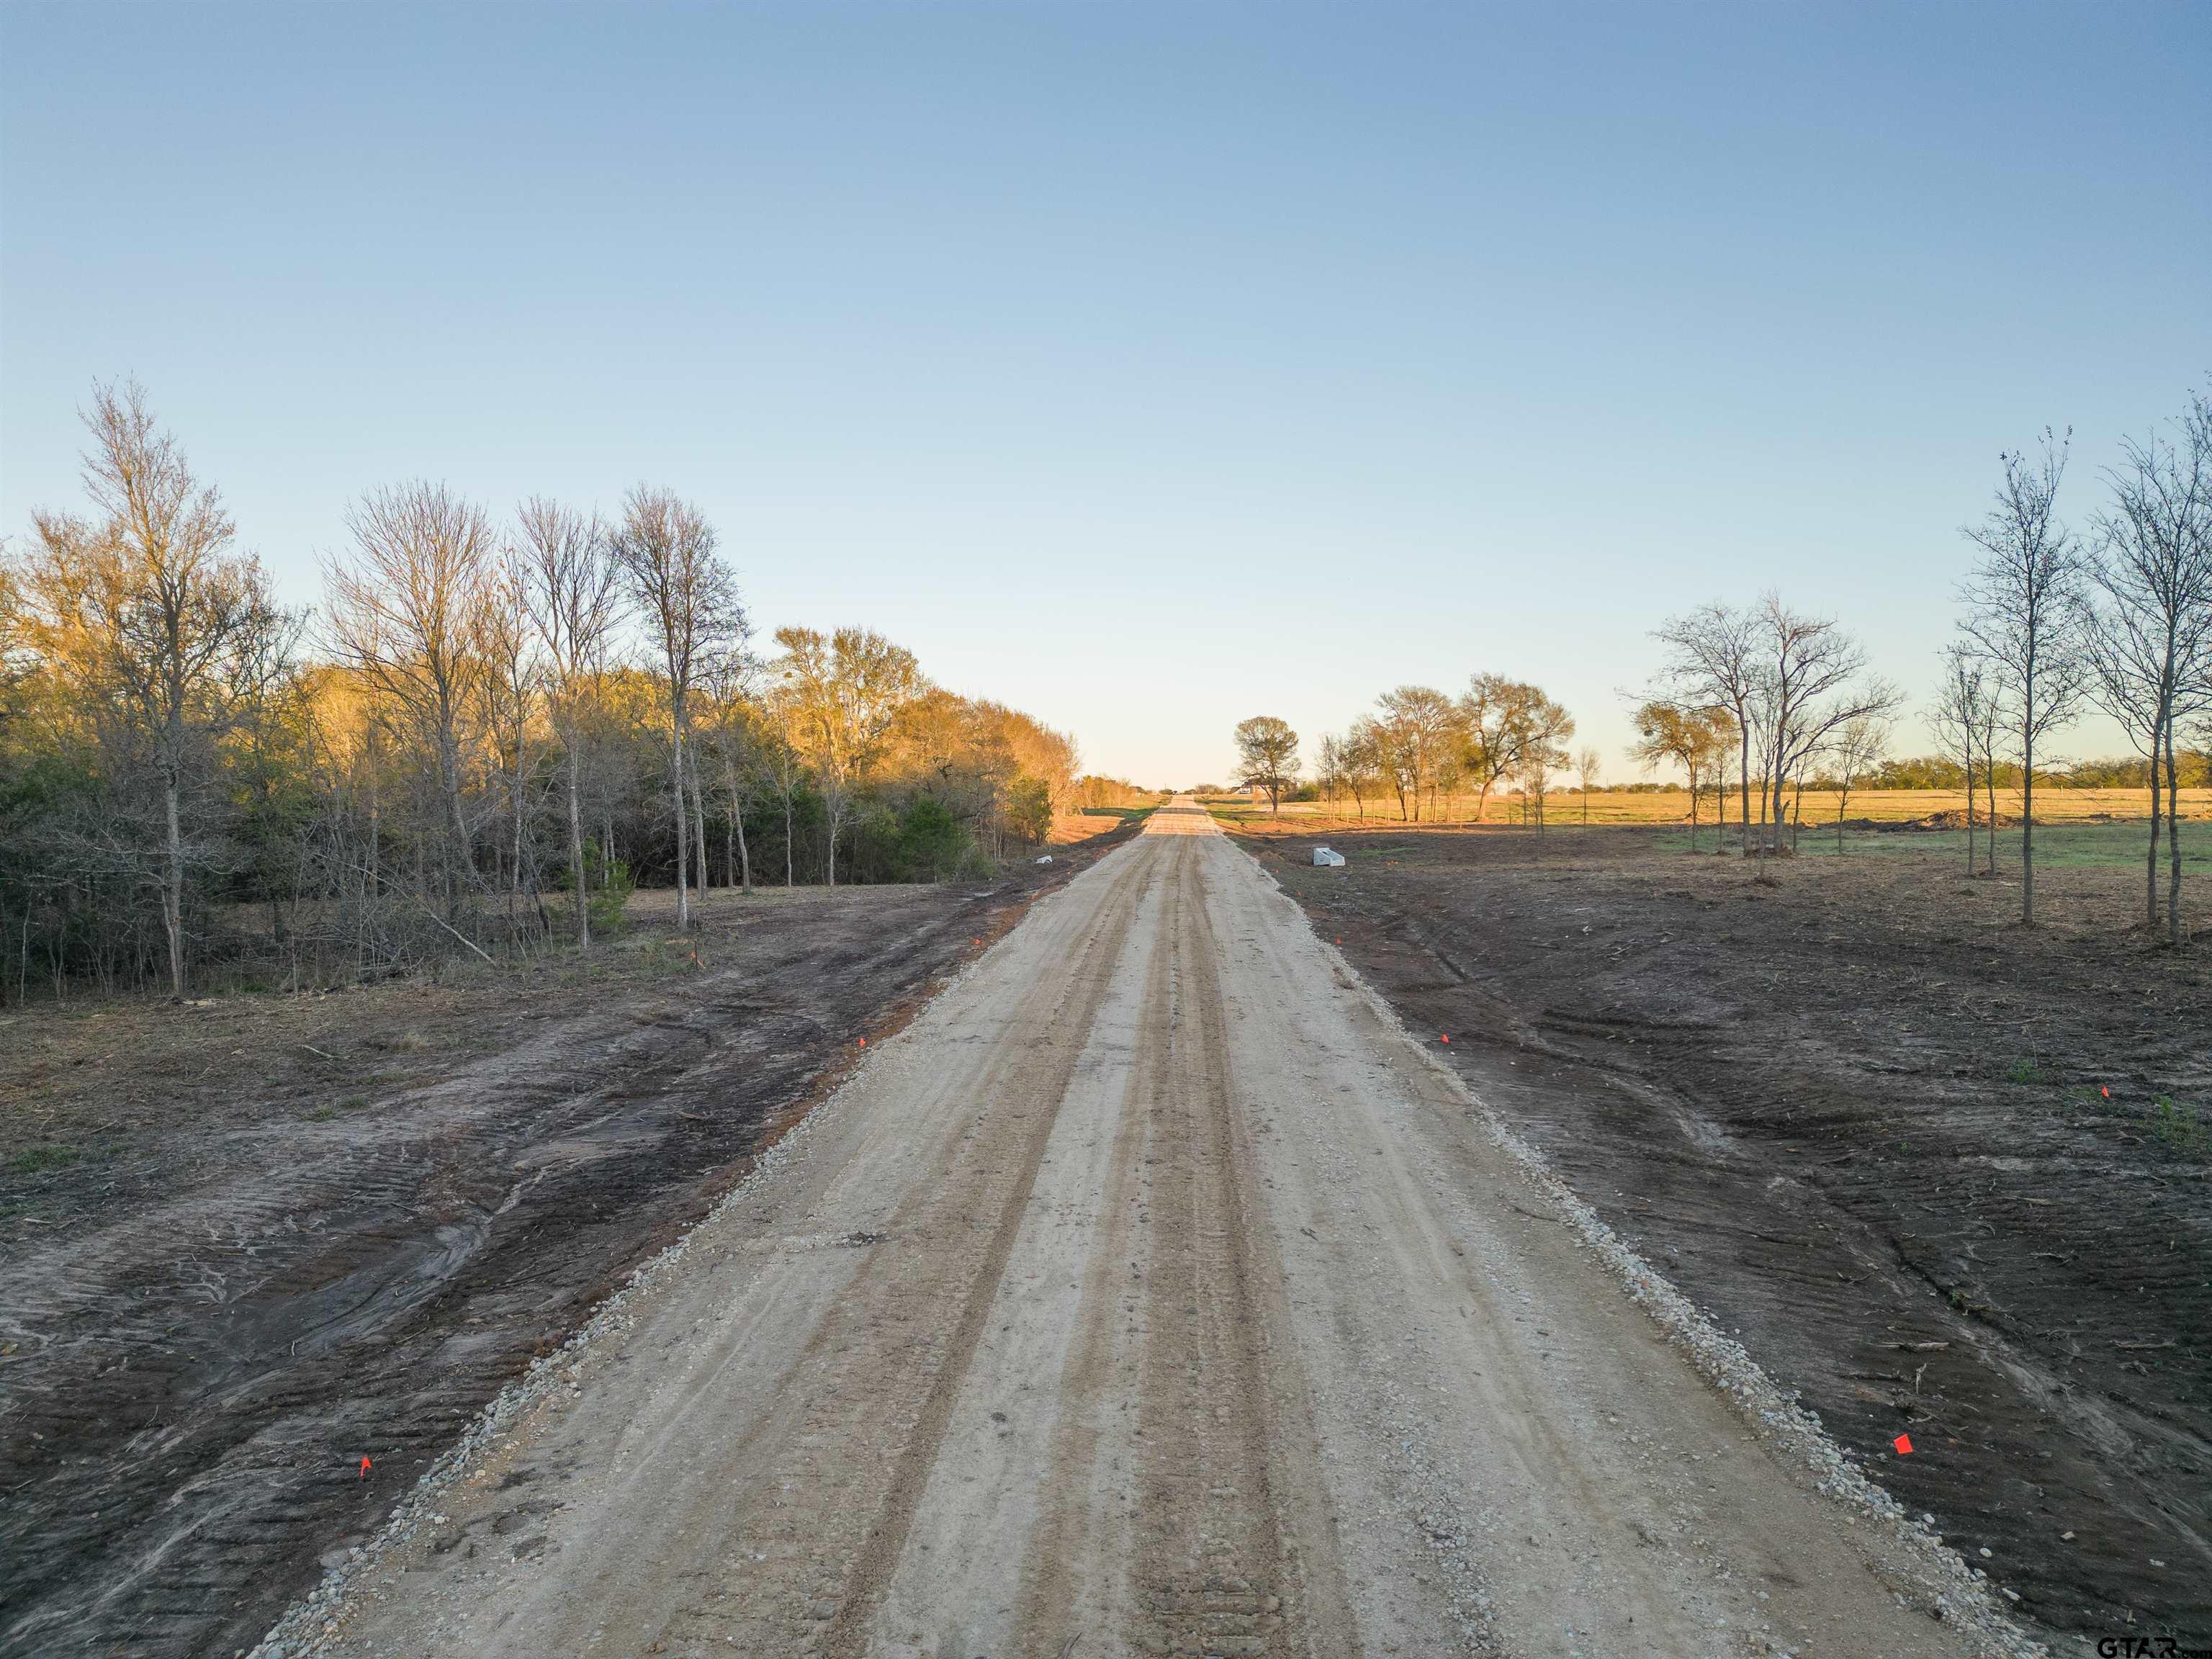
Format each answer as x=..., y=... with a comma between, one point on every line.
x=1026, y=1081
x=1074, y=1571
x=1221, y=1560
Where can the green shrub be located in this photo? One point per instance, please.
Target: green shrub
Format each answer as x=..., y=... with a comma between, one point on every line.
x=2176, y=1123
x=871, y=845
x=1029, y=809
x=931, y=844
x=607, y=899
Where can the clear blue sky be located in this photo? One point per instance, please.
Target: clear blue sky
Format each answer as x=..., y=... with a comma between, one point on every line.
x=1145, y=367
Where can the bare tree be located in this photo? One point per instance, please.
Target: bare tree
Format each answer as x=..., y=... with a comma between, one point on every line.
x=1811, y=682
x=783, y=763
x=734, y=737
x=1267, y=756
x=574, y=591
x=1963, y=716
x=1996, y=719
x=1855, y=749
x=1328, y=768
x=1713, y=660
x=1588, y=763
x=510, y=687
x=148, y=600
x=665, y=549
x=407, y=616
x=1364, y=767
x=2150, y=643
x=2024, y=608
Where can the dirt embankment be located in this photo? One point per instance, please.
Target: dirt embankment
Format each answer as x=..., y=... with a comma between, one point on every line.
x=1864, y=1120
x=245, y=1244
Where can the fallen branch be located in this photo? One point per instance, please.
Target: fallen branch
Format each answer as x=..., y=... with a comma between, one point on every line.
x=454, y=930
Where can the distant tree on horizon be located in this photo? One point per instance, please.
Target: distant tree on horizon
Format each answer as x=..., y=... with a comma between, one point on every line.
x=1506, y=727
x=1590, y=762
x=1267, y=756
x=1697, y=740
x=1965, y=718
x=1417, y=743
x=1855, y=751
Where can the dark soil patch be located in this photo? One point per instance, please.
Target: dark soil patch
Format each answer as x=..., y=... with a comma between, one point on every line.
x=1955, y=818
x=1861, y=1118
x=283, y=1234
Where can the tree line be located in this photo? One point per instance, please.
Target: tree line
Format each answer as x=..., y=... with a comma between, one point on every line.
x=480, y=741
x=1422, y=748
x=1761, y=701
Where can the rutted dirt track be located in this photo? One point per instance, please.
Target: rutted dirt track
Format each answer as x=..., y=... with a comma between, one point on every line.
x=1152, y=1294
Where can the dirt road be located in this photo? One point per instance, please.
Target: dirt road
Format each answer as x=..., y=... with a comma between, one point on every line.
x=1153, y=1292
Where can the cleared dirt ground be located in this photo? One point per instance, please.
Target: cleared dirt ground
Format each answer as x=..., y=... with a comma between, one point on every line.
x=1151, y=1293
x=247, y=1241
x=1862, y=1118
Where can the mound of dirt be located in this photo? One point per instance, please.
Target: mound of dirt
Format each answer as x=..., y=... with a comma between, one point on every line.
x=1953, y=818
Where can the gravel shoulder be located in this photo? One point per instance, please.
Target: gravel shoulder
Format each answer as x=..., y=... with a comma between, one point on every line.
x=1154, y=1292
